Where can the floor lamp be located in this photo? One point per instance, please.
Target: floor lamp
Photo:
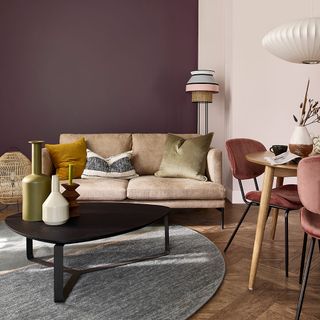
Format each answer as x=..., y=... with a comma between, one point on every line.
x=202, y=86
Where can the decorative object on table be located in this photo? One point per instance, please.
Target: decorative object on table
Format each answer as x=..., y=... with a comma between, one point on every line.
x=71, y=194
x=203, y=86
x=35, y=187
x=296, y=42
x=300, y=142
x=68, y=153
x=278, y=149
x=55, y=210
x=316, y=144
x=14, y=166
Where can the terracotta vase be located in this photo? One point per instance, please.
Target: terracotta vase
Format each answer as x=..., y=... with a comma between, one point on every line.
x=55, y=210
x=35, y=187
x=301, y=143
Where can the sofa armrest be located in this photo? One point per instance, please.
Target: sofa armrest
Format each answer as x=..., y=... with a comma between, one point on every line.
x=47, y=165
x=214, y=165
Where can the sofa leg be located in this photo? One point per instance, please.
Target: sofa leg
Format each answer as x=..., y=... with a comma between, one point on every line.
x=222, y=217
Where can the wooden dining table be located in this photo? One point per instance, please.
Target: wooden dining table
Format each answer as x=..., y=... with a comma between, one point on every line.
x=271, y=171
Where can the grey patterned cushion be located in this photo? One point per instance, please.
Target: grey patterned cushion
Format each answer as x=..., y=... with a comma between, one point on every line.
x=118, y=166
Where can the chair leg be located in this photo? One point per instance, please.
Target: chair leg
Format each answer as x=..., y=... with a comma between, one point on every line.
x=286, y=233
x=305, y=279
x=237, y=227
x=303, y=256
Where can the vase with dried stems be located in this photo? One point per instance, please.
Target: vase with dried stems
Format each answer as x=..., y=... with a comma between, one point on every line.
x=301, y=142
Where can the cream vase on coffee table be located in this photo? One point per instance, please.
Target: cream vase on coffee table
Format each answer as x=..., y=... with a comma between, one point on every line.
x=55, y=210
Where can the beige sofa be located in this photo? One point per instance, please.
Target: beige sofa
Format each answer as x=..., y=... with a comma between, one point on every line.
x=147, y=154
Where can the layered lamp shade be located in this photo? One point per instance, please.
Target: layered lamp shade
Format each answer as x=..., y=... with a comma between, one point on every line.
x=297, y=42
x=202, y=85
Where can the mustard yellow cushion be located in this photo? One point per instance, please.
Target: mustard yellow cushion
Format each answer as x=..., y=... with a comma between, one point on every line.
x=68, y=153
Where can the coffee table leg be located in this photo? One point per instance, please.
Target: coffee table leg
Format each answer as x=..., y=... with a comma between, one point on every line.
x=58, y=273
x=29, y=249
x=166, y=234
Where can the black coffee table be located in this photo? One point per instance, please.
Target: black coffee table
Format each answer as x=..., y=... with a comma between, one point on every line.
x=96, y=221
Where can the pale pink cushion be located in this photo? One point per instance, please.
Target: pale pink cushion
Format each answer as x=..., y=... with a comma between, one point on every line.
x=309, y=192
x=285, y=196
x=309, y=183
x=310, y=222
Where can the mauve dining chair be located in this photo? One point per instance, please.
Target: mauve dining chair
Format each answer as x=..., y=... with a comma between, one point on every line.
x=309, y=192
x=284, y=197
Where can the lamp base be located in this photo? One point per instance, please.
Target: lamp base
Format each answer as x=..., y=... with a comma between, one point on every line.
x=201, y=96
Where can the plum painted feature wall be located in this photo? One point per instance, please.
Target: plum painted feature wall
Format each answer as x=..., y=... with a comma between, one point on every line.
x=95, y=66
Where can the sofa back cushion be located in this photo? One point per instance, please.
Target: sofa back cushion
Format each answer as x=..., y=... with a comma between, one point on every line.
x=148, y=149
x=104, y=144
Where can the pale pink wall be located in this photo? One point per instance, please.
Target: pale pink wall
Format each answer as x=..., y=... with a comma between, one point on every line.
x=261, y=91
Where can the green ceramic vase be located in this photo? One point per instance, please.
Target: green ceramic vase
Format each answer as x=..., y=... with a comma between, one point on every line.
x=35, y=187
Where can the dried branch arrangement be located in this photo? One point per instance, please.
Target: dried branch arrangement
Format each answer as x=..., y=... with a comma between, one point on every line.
x=309, y=114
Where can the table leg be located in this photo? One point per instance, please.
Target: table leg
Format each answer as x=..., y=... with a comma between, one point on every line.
x=58, y=273
x=29, y=249
x=261, y=223
x=275, y=212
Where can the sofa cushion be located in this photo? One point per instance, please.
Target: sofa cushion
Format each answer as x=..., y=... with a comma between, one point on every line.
x=157, y=188
x=104, y=144
x=148, y=150
x=117, y=166
x=101, y=189
x=185, y=158
x=68, y=153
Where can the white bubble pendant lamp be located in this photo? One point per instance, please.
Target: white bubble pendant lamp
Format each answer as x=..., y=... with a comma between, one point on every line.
x=297, y=42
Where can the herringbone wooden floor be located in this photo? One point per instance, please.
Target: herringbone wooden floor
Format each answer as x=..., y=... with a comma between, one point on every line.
x=275, y=296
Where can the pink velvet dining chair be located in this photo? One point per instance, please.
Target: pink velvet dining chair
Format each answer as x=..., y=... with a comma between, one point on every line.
x=309, y=192
x=284, y=197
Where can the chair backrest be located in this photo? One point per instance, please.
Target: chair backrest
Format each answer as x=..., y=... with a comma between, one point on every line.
x=309, y=183
x=237, y=150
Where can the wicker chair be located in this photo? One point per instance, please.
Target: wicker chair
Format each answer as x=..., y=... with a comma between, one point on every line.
x=14, y=166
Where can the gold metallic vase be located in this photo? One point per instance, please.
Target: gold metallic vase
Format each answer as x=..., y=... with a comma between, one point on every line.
x=35, y=187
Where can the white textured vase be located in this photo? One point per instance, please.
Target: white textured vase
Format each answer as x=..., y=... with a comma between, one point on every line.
x=301, y=143
x=55, y=209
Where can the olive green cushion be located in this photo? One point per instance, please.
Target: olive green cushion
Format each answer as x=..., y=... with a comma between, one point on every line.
x=185, y=158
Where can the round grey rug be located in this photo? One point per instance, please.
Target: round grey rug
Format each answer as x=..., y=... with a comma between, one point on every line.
x=171, y=287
